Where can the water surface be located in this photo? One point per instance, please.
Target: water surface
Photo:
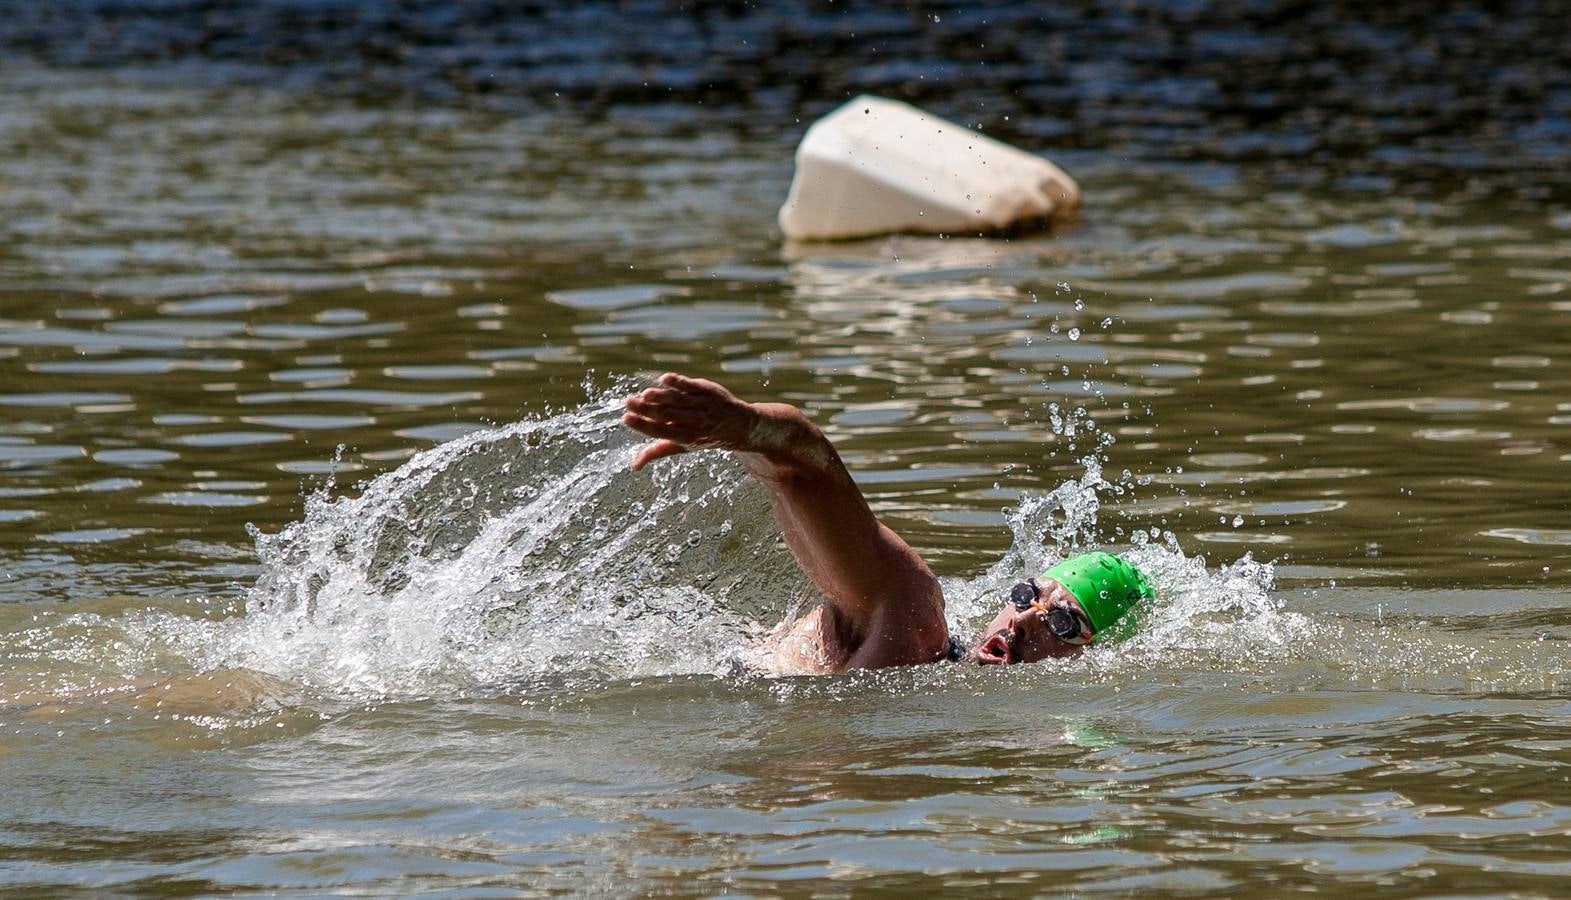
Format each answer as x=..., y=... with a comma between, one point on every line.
x=323, y=571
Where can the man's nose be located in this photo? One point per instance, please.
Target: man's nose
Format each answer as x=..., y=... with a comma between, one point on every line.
x=1020, y=623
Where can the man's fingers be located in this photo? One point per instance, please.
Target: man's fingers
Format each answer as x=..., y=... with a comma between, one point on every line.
x=665, y=398
x=658, y=428
x=668, y=415
x=657, y=450
x=701, y=388
x=695, y=419
x=672, y=379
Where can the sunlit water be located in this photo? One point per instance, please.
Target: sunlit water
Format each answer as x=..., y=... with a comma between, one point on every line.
x=324, y=569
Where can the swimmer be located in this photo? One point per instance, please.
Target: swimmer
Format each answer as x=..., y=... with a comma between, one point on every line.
x=883, y=605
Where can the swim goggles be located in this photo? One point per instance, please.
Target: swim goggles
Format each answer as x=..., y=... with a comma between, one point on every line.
x=1063, y=621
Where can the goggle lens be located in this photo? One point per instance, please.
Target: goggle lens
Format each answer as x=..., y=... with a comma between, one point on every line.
x=1063, y=622
x=1024, y=594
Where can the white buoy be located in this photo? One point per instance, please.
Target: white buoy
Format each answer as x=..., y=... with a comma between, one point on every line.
x=877, y=166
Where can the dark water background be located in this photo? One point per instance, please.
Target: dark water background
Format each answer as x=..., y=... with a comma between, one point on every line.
x=1318, y=299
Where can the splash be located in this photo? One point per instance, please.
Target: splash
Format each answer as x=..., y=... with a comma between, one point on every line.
x=533, y=550
x=1229, y=619
x=1195, y=604
x=530, y=558
x=517, y=551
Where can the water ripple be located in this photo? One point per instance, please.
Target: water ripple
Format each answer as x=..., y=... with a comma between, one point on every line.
x=1540, y=536
x=65, y=398
x=376, y=398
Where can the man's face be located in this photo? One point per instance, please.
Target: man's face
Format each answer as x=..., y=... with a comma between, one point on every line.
x=1021, y=637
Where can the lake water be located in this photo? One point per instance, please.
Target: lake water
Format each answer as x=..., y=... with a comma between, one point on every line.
x=322, y=570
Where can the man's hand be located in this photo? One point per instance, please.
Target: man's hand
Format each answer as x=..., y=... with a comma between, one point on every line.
x=684, y=414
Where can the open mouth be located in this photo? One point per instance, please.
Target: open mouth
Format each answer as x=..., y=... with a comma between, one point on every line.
x=999, y=649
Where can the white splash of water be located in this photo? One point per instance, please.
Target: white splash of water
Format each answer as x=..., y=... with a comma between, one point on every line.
x=1226, y=609
x=512, y=552
x=1196, y=608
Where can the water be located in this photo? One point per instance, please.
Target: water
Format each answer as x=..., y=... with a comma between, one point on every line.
x=323, y=571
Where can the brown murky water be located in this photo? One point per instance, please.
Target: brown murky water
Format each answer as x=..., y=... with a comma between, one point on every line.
x=220, y=297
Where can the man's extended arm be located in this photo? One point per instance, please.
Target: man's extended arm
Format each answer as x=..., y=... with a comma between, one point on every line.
x=876, y=584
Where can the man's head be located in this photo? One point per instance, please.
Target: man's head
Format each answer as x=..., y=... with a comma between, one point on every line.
x=1092, y=597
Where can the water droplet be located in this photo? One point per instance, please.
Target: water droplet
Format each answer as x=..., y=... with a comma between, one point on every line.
x=1074, y=334
x=1238, y=521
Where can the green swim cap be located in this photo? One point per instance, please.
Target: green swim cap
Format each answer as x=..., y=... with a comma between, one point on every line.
x=1108, y=590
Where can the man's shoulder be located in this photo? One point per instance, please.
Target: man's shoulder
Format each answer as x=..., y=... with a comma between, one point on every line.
x=903, y=634
x=804, y=646
x=821, y=642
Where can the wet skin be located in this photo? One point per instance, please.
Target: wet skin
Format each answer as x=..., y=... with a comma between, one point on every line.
x=883, y=605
